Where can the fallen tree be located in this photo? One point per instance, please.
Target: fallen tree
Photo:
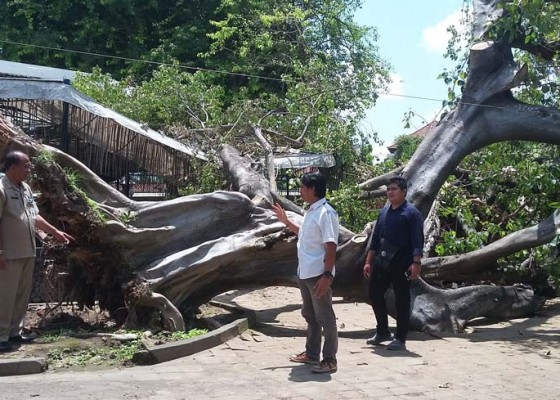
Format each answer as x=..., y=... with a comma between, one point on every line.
x=189, y=249
x=192, y=248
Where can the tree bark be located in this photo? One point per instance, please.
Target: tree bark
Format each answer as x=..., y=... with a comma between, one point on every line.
x=450, y=310
x=192, y=248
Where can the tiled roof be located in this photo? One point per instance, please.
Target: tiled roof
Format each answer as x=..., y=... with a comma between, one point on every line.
x=421, y=133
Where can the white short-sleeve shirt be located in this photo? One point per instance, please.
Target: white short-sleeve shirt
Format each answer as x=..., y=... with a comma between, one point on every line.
x=320, y=226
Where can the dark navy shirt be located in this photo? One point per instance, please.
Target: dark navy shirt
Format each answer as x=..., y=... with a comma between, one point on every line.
x=403, y=227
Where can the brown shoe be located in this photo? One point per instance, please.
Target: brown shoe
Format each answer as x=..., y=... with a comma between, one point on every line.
x=303, y=358
x=325, y=367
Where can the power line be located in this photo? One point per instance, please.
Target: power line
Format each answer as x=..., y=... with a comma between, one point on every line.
x=219, y=71
x=141, y=61
x=440, y=100
x=410, y=96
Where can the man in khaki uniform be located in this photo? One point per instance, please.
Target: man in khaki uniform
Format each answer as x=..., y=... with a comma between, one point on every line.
x=19, y=216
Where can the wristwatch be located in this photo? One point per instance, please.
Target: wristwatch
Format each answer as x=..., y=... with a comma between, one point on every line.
x=328, y=274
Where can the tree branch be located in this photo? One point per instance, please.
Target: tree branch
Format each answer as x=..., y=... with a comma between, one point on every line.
x=380, y=180
x=269, y=157
x=463, y=266
x=245, y=175
x=296, y=143
x=449, y=310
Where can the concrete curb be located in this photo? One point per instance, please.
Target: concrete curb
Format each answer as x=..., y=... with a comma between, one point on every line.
x=22, y=366
x=187, y=347
x=183, y=348
x=251, y=315
x=153, y=354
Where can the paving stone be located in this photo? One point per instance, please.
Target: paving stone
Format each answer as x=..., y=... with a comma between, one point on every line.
x=494, y=362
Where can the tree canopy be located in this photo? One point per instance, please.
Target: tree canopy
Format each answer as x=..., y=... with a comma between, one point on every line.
x=302, y=72
x=109, y=33
x=277, y=75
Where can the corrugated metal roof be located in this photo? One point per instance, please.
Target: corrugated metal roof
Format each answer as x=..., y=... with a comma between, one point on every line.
x=28, y=89
x=11, y=68
x=303, y=160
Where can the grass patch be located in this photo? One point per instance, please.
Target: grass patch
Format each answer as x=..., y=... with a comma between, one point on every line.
x=44, y=158
x=74, y=181
x=175, y=336
x=69, y=349
x=74, y=354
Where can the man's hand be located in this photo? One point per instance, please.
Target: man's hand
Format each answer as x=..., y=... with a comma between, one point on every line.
x=414, y=270
x=280, y=213
x=62, y=237
x=322, y=286
x=367, y=270
x=42, y=224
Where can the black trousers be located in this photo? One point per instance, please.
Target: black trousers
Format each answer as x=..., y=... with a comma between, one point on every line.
x=379, y=283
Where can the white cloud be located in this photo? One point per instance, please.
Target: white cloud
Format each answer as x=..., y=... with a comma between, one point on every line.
x=435, y=37
x=395, y=89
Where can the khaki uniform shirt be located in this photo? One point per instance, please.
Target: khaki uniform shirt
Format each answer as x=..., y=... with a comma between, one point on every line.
x=17, y=219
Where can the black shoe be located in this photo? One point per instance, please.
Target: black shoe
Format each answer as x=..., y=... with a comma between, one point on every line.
x=378, y=339
x=24, y=338
x=6, y=346
x=396, y=345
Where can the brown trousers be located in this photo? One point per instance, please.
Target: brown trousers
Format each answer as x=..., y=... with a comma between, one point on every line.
x=320, y=318
x=15, y=289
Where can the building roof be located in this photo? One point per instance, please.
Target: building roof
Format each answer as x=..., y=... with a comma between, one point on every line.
x=420, y=133
x=38, y=103
x=15, y=69
x=297, y=160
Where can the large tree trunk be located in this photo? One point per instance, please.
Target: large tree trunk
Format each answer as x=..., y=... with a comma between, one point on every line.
x=487, y=113
x=450, y=310
x=192, y=248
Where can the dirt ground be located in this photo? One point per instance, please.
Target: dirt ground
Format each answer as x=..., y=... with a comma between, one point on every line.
x=83, y=339
x=278, y=311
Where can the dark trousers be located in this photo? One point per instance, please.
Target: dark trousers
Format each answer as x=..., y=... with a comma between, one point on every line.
x=379, y=283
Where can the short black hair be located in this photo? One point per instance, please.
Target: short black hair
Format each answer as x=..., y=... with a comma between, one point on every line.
x=12, y=158
x=399, y=181
x=317, y=181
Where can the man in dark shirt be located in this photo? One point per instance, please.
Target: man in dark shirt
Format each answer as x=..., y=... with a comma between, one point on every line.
x=397, y=242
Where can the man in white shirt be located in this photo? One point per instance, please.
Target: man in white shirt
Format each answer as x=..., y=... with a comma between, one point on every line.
x=317, y=241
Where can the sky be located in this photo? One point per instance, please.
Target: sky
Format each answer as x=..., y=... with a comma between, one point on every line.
x=413, y=38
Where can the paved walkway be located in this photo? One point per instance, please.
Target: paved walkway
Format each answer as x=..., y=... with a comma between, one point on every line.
x=508, y=360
